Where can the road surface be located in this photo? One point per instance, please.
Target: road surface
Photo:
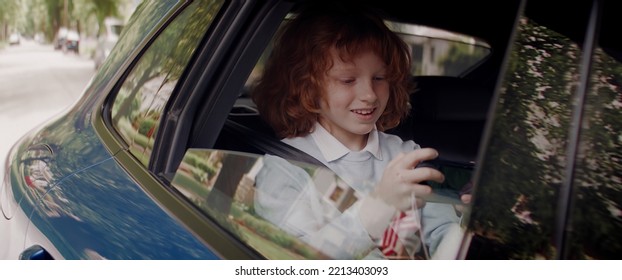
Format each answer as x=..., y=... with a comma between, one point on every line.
x=36, y=82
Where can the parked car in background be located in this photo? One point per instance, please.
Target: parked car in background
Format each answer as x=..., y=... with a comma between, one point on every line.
x=67, y=40
x=60, y=37
x=14, y=38
x=107, y=39
x=72, y=42
x=157, y=159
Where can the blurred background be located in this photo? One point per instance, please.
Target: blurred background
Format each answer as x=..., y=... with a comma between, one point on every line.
x=49, y=50
x=43, y=19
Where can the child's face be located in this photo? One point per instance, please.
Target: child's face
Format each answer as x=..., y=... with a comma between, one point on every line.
x=356, y=95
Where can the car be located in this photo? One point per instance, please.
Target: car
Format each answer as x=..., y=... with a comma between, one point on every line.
x=67, y=39
x=72, y=42
x=107, y=39
x=156, y=160
x=60, y=38
x=14, y=39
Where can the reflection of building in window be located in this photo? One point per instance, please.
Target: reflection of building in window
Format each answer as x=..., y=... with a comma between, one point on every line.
x=215, y=158
x=336, y=195
x=246, y=189
x=155, y=93
x=430, y=49
x=417, y=58
x=342, y=197
x=331, y=188
x=427, y=53
x=335, y=191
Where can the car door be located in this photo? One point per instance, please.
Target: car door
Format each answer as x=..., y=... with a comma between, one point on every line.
x=547, y=185
x=153, y=107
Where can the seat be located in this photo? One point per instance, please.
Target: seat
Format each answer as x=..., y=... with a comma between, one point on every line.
x=448, y=114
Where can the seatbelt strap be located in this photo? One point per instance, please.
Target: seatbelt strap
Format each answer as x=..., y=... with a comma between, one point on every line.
x=270, y=145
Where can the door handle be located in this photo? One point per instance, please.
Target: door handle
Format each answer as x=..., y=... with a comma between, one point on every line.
x=35, y=252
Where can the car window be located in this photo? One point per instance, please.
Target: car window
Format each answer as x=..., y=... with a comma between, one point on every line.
x=138, y=106
x=221, y=184
x=437, y=52
x=515, y=197
x=596, y=219
x=245, y=132
x=224, y=186
x=434, y=52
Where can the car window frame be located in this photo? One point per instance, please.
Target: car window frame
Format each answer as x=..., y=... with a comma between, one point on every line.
x=214, y=85
x=101, y=116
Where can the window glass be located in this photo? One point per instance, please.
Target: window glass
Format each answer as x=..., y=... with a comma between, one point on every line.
x=138, y=106
x=596, y=220
x=245, y=132
x=222, y=185
x=285, y=209
x=144, y=19
x=434, y=52
x=515, y=198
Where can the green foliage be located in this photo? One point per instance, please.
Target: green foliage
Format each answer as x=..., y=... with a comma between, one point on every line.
x=10, y=8
x=597, y=216
x=145, y=125
x=528, y=146
x=201, y=170
x=268, y=231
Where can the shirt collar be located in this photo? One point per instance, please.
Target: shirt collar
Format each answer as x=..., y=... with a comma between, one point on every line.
x=332, y=149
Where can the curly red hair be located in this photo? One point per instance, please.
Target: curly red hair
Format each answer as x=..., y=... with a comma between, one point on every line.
x=289, y=93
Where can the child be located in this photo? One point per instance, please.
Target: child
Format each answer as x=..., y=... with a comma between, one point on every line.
x=336, y=79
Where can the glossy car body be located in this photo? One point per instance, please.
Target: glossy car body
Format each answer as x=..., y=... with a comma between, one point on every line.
x=146, y=165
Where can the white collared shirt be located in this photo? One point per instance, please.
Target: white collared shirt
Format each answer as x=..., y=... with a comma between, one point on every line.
x=332, y=149
x=360, y=169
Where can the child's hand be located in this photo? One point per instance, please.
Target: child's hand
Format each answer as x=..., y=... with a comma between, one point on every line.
x=465, y=196
x=400, y=179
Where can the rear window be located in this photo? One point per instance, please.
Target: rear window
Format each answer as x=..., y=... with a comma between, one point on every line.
x=436, y=52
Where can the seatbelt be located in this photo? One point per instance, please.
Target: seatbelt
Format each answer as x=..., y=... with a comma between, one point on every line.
x=270, y=144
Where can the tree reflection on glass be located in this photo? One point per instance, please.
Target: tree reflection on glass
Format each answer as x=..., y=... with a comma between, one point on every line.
x=597, y=216
x=516, y=196
x=138, y=106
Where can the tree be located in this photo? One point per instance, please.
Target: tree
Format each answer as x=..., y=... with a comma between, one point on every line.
x=9, y=9
x=84, y=10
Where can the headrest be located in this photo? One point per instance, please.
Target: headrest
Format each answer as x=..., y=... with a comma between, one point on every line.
x=443, y=98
